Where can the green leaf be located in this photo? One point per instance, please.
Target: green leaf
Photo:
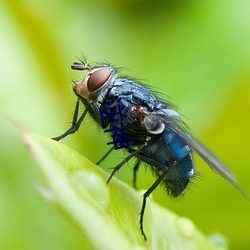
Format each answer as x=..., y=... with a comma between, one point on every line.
x=106, y=215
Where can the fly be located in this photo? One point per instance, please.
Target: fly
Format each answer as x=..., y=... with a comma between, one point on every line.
x=159, y=137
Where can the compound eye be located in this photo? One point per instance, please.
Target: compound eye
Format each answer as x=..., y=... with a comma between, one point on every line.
x=97, y=79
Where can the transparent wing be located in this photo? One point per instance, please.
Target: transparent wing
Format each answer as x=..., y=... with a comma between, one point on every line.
x=175, y=124
x=208, y=156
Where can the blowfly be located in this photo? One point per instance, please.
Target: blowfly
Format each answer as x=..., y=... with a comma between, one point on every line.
x=157, y=135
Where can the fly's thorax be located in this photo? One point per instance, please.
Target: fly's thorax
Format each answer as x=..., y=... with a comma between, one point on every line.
x=95, y=84
x=154, y=122
x=152, y=125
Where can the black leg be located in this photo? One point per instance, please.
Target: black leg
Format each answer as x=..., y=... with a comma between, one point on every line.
x=136, y=167
x=75, y=124
x=124, y=161
x=105, y=156
x=145, y=196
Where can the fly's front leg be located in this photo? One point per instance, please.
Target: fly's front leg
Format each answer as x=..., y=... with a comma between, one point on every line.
x=75, y=123
x=95, y=112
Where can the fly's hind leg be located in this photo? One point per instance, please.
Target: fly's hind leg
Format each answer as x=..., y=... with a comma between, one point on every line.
x=145, y=196
x=135, y=169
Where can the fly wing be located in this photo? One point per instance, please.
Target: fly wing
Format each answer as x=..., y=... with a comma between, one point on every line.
x=207, y=155
x=174, y=123
x=210, y=158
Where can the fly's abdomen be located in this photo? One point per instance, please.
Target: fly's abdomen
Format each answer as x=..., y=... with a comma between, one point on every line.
x=170, y=155
x=180, y=166
x=178, y=176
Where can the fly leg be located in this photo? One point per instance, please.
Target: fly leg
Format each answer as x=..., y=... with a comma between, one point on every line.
x=145, y=196
x=124, y=161
x=75, y=123
x=136, y=167
x=105, y=155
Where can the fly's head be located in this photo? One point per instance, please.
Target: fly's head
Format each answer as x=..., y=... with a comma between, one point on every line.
x=95, y=80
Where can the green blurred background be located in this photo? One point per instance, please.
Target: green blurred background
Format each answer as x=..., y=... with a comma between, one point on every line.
x=195, y=52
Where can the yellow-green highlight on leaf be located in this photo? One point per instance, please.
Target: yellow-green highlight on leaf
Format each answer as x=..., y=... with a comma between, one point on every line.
x=107, y=215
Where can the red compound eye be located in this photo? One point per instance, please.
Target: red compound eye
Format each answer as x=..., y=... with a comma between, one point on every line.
x=97, y=79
